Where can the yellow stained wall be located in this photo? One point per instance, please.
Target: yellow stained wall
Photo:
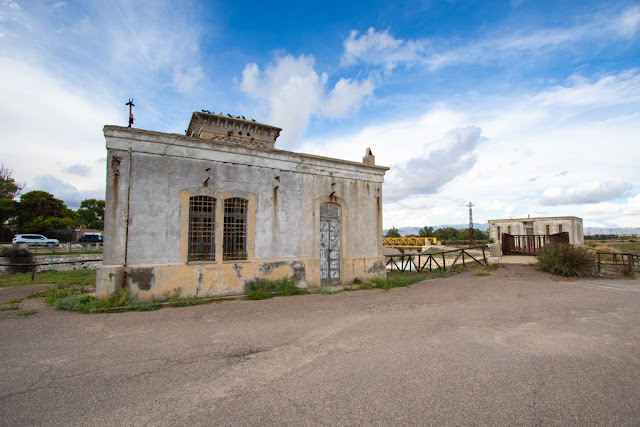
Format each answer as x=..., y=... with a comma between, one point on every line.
x=226, y=278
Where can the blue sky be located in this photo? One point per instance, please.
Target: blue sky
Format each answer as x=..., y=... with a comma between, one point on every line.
x=521, y=107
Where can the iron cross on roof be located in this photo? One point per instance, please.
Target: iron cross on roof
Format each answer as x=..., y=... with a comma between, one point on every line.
x=131, y=105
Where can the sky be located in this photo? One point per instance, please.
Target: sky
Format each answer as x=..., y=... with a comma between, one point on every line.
x=521, y=107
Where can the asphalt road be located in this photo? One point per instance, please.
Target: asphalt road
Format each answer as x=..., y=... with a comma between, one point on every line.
x=516, y=347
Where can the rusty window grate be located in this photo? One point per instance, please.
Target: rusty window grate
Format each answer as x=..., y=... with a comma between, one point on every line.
x=234, y=244
x=202, y=228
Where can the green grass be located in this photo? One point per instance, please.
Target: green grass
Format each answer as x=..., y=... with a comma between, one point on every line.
x=324, y=290
x=26, y=312
x=73, y=277
x=263, y=289
x=399, y=279
x=12, y=304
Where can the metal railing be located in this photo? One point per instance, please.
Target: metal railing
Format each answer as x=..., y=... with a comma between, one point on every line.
x=408, y=262
x=62, y=248
x=530, y=244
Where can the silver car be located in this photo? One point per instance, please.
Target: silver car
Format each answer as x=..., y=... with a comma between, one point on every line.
x=34, y=240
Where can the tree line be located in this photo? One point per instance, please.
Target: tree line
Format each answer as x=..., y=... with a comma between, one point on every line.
x=445, y=234
x=38, y=212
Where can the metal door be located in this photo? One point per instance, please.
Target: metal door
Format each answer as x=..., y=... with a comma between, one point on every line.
x=329, y=244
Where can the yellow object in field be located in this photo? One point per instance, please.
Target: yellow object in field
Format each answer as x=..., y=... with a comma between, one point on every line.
x=408, y=242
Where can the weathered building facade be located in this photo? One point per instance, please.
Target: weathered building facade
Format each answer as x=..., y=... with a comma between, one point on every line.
x=210, y=210
x=538, y=226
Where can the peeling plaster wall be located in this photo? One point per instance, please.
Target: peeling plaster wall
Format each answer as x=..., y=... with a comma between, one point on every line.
x=143, y=222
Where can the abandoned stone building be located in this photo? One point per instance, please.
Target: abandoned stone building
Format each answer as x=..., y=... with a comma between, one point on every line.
x=538, y=226
x=210, y=210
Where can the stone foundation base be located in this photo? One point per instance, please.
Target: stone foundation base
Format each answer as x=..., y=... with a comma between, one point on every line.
x=225, y=278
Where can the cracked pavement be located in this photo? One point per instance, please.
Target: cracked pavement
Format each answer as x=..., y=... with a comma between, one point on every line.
x=515, y=347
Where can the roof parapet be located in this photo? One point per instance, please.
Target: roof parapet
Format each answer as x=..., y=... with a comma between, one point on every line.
x=237, y=129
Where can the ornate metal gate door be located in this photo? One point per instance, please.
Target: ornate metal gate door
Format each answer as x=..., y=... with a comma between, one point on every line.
x=329, y=244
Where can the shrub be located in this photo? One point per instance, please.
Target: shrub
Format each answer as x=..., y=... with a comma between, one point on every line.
x=263, y=289
x=567, y=260
x=17, y=256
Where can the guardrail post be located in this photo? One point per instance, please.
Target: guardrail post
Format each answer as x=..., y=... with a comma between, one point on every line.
x=598, y=262
x=630, y=262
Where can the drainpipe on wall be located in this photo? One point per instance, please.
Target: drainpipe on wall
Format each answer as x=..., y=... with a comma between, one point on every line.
x=126, y=219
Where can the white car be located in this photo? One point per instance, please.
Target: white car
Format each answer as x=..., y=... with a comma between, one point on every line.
x=34, y=239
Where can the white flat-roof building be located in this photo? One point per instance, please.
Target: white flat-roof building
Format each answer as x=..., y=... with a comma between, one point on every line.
x=538, y=226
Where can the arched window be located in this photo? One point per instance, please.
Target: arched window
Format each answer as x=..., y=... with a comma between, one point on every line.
x=234, y=243
x=202, y=228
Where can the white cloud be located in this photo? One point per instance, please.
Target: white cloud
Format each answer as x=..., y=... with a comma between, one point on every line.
x=80, y=170
x=554, y=141
x=345, y=96
x=588, y=192
x=71, y=196
x=623, y=88
x=115, y=44
x=293, y=91
x=46, y=123
x=440, y=162
x=184, y=80
x=382, y=48
x=629, y=22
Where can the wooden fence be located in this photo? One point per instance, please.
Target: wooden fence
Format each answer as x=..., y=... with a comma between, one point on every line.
x=408, y=262
x=628, y=260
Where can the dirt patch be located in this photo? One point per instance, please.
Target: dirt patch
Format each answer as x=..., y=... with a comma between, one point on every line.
x=19, y=292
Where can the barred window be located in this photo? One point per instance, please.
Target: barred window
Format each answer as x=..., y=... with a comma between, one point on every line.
x=234, y=244
x=202, y=228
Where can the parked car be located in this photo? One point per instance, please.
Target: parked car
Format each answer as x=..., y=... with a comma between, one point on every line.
x=34, y=240
x=91, y=238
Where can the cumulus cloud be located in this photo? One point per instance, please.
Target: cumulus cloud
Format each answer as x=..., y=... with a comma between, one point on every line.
x=442, y=161
x=184, y=80
x=293, y=91
x=346, y=96
x=80, y=170
x=70, y=194
x=383, y=49
x=380, y=48
x=588, y=192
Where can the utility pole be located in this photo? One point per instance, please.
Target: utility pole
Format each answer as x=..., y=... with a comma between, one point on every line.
x=131, y=105
x=470, y=225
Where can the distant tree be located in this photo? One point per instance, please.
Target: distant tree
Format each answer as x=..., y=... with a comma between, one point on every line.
x=8, y=186
x=480, y=235
x=426, y=232
x=9, y=189
x=91, y=214
x=447, y=233
x=393, y=232
x=39, y=211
